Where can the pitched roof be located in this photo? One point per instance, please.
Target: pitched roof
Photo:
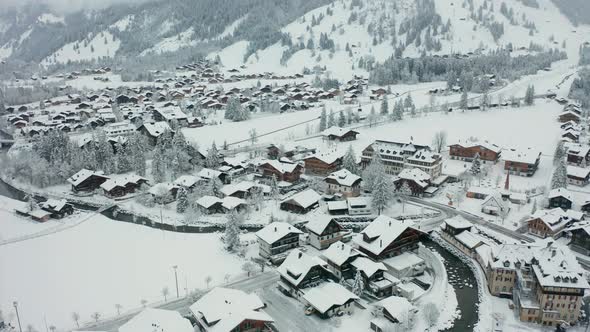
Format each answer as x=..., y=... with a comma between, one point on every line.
x=383, y=231
x=339, y=252
x=276, y=231
x=319, y=224
x=327, y=295
x=156, y=129
x=557, y=192
x=82, y=176
x=305, y=199
x=344, y=178
x=417, y=175
x=296, y=266
x=527, y=156
x=159, y=320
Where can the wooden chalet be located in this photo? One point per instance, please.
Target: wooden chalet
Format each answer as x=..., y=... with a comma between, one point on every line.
x=86, y=181
x=466, y=151
x=387, y=237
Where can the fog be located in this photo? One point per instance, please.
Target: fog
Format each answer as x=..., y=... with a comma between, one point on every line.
x=68, y=6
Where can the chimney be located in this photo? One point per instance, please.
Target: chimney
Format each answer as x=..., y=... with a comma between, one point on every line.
x=381, y=243
x=275, y=228
x=553, y=252
x=300, y=255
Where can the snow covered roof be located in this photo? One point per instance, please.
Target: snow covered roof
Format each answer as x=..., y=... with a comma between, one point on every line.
x=186, y=181
x=403, y=261
x=578, y=172
x=396, y=306
x=207, y=173
x=297, y=265
x=305, y=199
x=578, y=150
x=561, y=192
x=556, y=218
x=337, y=205
x=319, y=224
x=230, y=189
x=226, y=308
x=470, y=240
x=54, y=204
x=208, y=201
x=527, y=156
x=158, y=128
x=368, y=266
x=337, y=131
x=344, y=178
x=328, y=157
x=282, y=167
x=484, y=144
x=458, y=222
x=231, y=202
x=159, y=188
x=339, y=252
x=158, y=320
x=276, y=231
x=494, y=199
x=82, y=175
x=415, y=174
x=327, y=295
x=424, y=156
x=382, y=232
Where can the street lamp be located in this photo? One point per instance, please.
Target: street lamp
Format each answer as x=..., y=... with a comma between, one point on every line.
x=15, y=304
x=175, y=267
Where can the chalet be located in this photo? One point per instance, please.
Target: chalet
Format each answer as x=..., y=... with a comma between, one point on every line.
x=560, y=197
x=405, y=265
x=301, y=271
x=578, y=155
x=277, y=238
x=550, y=223
x=86, y=180
x=387, y=237
x=454, y=231
x=523, y=162
x=339, y=257
x=122, y=185
x=343, y=182
x=171, y=115
x=322, y=232
x=330, y=299
x=373, y=277
x=569, y=115
x=119, y=129
x=571, y=135
x=207, y=174
x=323, y=164
x=337, y=207
x=165, y=320
x=339, y=134
x=415, y=178
x=210, y=204
x=395, y=310
x=467, y=150
x=230, y=204
x=495, y=205
x=153, y=131
x=189, y=182
x=301, y=202
x=578, y=176
x=57, y=208
x=281, y=170
x=230, y=310
x=580, y=238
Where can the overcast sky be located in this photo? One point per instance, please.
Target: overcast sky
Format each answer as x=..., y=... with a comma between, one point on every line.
x=67, y=6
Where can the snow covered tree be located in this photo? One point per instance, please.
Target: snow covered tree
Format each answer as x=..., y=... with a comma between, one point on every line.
x=249, y=268
x=331, y=119
x=382, y=191
x=323, y=119
x=159, y=164
x=165, y=293
x=374, y=168
x=96, y=316
x=76, y=318
x=123, y=158
x=529, y=97
x=384, y=106
x=409, y=102
x=559, y=179
x=464, y=103
x=231, y=238
x=534, y=208
x=372, y=118
x=181, y=200
x=560, y=153
x=212, y=158
x=349, y=161
x=475, y=165
x=358, y=286
x=341, y=119
x=439, y=141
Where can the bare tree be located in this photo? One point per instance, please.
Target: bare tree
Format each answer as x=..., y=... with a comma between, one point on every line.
x=227, y=277
x=76, y=318
x=439, y=141
x=96, y=316
x=144, y=303
x=431, y=314
x=249, y=268
x=118, y=307
x=165, y=292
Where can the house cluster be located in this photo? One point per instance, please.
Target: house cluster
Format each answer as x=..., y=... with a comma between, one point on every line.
x=220, y=310
x=413, y=163
x=87, y=181
x=383, y=255
x=50, y=209
x=545, y=282
x=578, y=164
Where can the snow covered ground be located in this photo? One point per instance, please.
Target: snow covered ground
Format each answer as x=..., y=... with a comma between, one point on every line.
x=100, y=263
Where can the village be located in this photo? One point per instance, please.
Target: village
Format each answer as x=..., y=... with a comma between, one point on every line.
x=338, y=220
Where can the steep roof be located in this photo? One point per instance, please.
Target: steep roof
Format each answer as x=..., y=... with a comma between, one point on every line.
x=160, y=320
x=297, y=265
x=344, y=178
x=339, y=252
x=305, y=199
x=327, y=295
x=276, y=231
x=382, y=232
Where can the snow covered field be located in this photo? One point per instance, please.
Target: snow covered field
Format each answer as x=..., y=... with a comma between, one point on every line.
x=100, y=263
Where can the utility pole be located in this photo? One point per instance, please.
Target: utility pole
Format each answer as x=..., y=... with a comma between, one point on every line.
x=15, y=304
x=175, y=267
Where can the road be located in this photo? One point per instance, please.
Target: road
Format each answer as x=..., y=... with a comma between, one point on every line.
x=260, y=281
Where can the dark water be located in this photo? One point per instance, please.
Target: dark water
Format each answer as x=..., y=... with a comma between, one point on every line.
x=459, y=276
